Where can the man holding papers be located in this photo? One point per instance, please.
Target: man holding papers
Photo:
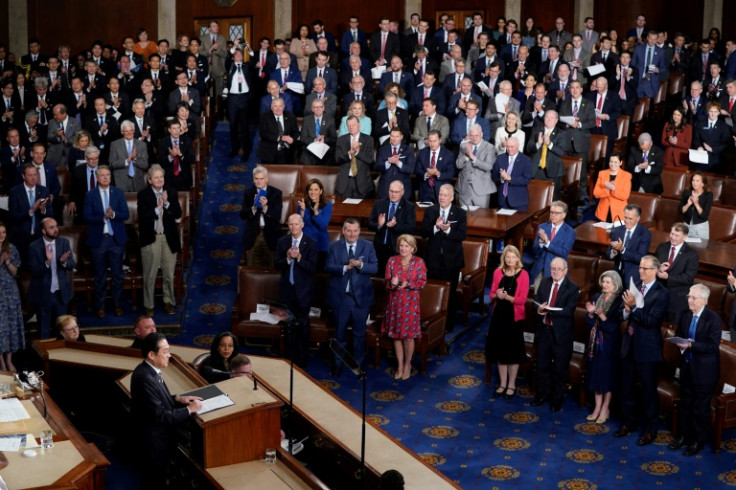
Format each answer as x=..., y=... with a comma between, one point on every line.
x=712, y=136
x=700, y=328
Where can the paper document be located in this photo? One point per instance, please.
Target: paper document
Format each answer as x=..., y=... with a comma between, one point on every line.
x=677, y=340
x=693, y=240
x=607, y=226
x=470, y=208
x=211, y=404
x=484, y=88
x=383, y=139
x=296, y=87
x=4, y=202
x=318, y=149
x=10, y=443
x=11, y=410
x=425, y=204
x=420, y=145
x=567, y=120
x=377, y=71
x=596, y=69
x=698, y=156
x=506, y=212
x=265, y=317
x=501, y=101
x=550, y=308
x=578, y=347
x=638, y=298
x=351, y=200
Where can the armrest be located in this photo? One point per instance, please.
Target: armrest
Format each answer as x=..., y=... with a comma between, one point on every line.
x=471, y=276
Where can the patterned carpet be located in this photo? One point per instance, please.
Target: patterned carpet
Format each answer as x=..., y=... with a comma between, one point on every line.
x=448, y=416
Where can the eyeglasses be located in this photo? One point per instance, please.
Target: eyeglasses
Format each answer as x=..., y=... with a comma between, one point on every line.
x=556, y=212
x=647, y=268
x=557, y=269
x=693, y=297
x=71, y=329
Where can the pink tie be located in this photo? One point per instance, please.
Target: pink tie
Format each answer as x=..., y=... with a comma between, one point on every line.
x=600, y=107
x=383, y=46
x=421, y=39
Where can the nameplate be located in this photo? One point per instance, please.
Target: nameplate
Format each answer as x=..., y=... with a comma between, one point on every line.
x=578, y=347
x=529, y=337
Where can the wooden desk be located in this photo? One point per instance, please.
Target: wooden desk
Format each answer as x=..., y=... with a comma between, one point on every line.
x=484, y=222
x=257, y=475
x=187, y=354
x=716, y=258
x=71, y=463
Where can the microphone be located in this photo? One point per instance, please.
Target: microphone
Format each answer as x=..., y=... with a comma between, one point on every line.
x=224, y=373
x=464, y=204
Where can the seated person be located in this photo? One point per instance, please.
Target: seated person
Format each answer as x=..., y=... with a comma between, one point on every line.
x=395, y=89
x=217, y=367
x=69, y=329
x=357, y=109
x=240, y=366
x=713, y=136
x=142, y=326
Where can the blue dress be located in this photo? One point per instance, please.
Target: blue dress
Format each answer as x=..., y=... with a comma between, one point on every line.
x=316, y=226
x=604, y=347
x=12, y=332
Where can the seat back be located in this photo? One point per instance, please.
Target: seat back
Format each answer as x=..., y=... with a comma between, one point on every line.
x=648, y=204
x=77, y=236
x=131, y=199
x=661, y=94
x=723, y=189
x=622, y=123
x=667, y=213
x=717, y=298
x=722, y=221
x=541, y=193
x=597, y=153
x=573, y=170
x=199, y=361
x=283, y=177
x=255, y=286
x=475, y=252
x=326, y=175
x=727, y=352
x=580, y=270
x=64, y=180
x=433, y=298
x=674, y=182
x=675, y=85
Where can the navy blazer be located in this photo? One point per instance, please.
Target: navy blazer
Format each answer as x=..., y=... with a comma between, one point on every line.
x=337, y=258
x=445, y=249
x=267, y=99
x=647, y=321
x=347, y=39
x=293, y=75
x=559, y=247
x=403, y=174
x=453, y=101
x=406, y=221
x=705, y=363
x=381, y=127
x=52, y=178
x=460, y=127
x=521, y=174
x=406, y=84
x=563, y=322
x=330, y=76
x=94, y=216
x=627, y=263
x=446, y=166
x=717, y=138
x=19, y=206
x=648, y=88
x=40, y=290
x=271, y=219
x=417, y=99
x=611, y=107
x=304, y=270
x=681, y=274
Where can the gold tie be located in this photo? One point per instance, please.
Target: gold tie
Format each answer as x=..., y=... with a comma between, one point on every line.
x=354, y=166
x=543, y=159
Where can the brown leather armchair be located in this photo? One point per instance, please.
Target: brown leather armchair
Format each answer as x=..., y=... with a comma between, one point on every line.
x=473, y=283
x=674, y=182
x=668, y=387
x=256, y=286
x=541, y=194
x=326, y=175
x=648, y=204
x=284, y=177
x=622, y=123
x=723, y=406
x=570, y=185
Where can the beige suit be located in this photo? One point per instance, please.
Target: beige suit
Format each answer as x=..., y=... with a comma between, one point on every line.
x=216, y=59
x=440, y=123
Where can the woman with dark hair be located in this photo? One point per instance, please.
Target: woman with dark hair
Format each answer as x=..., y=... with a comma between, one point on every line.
x=144, y=46
x=316, y=212
x=695, y=205
x=529, y=33
x=500, y=32
x=677, y=136
x=301, y=47
x=612, y=189
x=527, y=91
x=12, y=333
x=714, y=36
x=396, y=89
x=189, y=124
x=217, y=366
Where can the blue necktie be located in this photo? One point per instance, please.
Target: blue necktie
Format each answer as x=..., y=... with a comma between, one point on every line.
x=131, y=168
x=316, y=130
x=429, y=124
x=107, y=205
x=391, y=212
x=691, y=335
x=626, y=240
x=351, y=256
x=31, y=200
x=294, y=243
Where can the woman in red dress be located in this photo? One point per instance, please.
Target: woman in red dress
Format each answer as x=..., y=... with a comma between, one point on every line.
x=677, y=136
x=406, y=275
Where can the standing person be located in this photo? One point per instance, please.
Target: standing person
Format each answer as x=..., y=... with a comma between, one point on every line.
x=301, y=47
x=261, y=211
x=406, y=276
x=547, y=145
x=214, y=46
x=129, y=159
x=649, y=59
x=29, y=204
x=390, y=218
x=157, y=412
x=554, y=239
x=354, y=155
x=296, y=258
x=699, y=370
x=434, y=167
x=512, y=173
x=604, y=344
x=555, y=333
x=612, y=190
x=316, y=212
x=505, y=341
x=12, y=338
x=238, y=85
x=645, y=166
x=50, y=261
x=641, y=351
x=158, y=211
x=677, y=137
x=695, y=205
x=629, y=243
x=475, y=161
x=351, y=262
x=679, y=266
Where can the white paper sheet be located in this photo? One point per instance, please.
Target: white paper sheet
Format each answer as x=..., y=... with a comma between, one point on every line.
x=377, y=71
x=501, y=101
x=4, y=203
x=693, y=240
x=567, y=120
x=351, y=200
x=12, y=410
x=698, y=156
x=638, y=298
x=677, y=340
x=548, y=308
x=10, y=443
x=296, y=87
x=264, y=317
x=216, y=402
x=506, y=212
x=425, y=204
x=318, y=149
x=596, y=69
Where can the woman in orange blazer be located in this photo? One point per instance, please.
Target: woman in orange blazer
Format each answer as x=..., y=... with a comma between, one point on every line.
x=612, y=189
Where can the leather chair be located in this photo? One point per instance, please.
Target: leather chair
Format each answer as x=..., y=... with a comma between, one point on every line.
x=82, y=275
x=648, y=204
x=723, y=189
x=717, y=298
x=541, y=193
x=199, y=361
x=256, y=286
x=580, y=270
x=283, y=177
x=723, y=406
x=658, y=103
x=473, y=283
x=667, y=213
x=597, y=152
x=623, y=135
x=637, y=120
x=674, y=90
x=326, y=175
x=722, y=221
x=579, y=360
x=674, y=182
x=668, y=386
x=570, y=187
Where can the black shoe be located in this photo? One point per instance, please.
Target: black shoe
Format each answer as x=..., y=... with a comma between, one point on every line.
x=677, y=443
x=555, y=407
x=232, y=154
x=623, y=431
x=693, y=449
x=646, y=439
x=539, y=401
x=509, y=396
x=336, y=371
x=497, y=393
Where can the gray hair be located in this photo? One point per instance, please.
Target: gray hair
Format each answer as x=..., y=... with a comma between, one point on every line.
x=127, y=125
x=90, y=150
x=260, y=170
x=701, y=290
x=154, y=168
x=645, y=138
x=31, y=114
x=41, y=82
x=615, y=278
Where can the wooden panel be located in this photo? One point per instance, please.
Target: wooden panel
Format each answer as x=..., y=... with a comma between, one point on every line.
x=676, y=15
x=262, y=14
x=335, y=14
x=492, y=9
x=80, y=22
x=544, y=18
x=4, y=25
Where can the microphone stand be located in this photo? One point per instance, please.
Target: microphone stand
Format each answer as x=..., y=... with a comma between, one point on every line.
x=356, y=369
x=291, y=325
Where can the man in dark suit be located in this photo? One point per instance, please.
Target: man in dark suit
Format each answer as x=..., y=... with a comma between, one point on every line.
x=650, y=60
x=28, y=204
x=579, y=130
x=296, y=258
x=645, y=165
x=713, y=136
x=519, y=69
x=318, y=32
x=607, y=110
x=512, y=173
x=554, y=239
x=694, y=104
x=625, y=83
x=61, y=132
x=184, y=93
x=555, y=333
x=427, y=90
x=317, y=127
x=354, y=155
x=392, y=116
x=445, y=227
x=238, y=95
x=105, y=212
x=156, y=411
x=390, y=218
x=463, y=122
x=384, y=44
x=279, y=133
x=730, y=63
x=699, y=370
x=397, y=74
x=536, y=107
x=353, y=35
x=349, y=87
x=420, y=38
x=351, y=262
x=83, y=180
x=261, y=211
x=701, y=61
x=547, y=145
x=12, y=158
x=50, y=261
x=679, y=266
x=319, y=92
x=34, y=58
x=629, y=243
x=176, y=156
x=458, y=101
x=641, y=351
x=47, y=174
x=606, y=57
x=145, y=127
x=435, y=166
x=103, y=127
x=394, y=161
x=324, y=71
x=158, y=210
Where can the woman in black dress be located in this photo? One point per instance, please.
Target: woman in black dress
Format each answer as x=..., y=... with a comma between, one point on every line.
x=505, y=341
x=217, y=366
x=604, y=317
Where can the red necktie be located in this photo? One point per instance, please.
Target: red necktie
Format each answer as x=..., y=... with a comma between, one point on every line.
x=383, y=46
x=426, y=95
x=433, y=164
x=600, y=108
x=263, y=65
x=730, y=104
x=421, y=39
x=91, y=180
x=177, y=167
x=552, y=235
x=671, y=259
x=622, y=90
x=547, y=319
x=394, y=154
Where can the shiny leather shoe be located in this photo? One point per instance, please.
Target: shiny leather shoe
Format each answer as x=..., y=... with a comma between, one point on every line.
x=101, y=313
x=509, y=396
x=118, y=311
x=539, y=401
x=693, y=449
x=646, y=439
x=677, y=443
x=498, y=393
x=623, y=431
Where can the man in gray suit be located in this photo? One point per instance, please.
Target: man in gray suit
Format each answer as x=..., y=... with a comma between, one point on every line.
x=496, y=118
x=430, y=119
x=215, y=49
x=475, y=161
x=129, y=160
x=61, y=133
x=546, y=147
x=320, y=93
x=578, y=58
x=354, y=155
x=326, y=134
x=589, y=34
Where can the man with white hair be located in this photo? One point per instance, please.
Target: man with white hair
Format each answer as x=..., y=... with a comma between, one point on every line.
x=475, y=161
x=645, y=165
x=129, y=160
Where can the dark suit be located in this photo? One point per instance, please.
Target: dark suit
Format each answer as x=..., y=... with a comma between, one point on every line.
x=195, y=103
x=697, y=70
x=554, y=167
x=586, y=118
x=308, y=135
x=445, y=164
x=360, y=185
x=79, y=188
x=52, y=178
x=406, y=82
x=392, y=47
x=537, y=120
x=156, y=413
x=103, y=141
x=627, y=262
x=390, y=172
x=347, y=38
x=681, y=276
x=641, y=351
x=271, y=149
x=717, y=138
x=699, y=371
x=454, y=111
x=346, y=77
x=265, y=104
x=271, y=218
x=554, y=341
x=106, y=249
x=417, y=99
x=611, y=106
x=50, y=305
x=25, y=228
x=559, y=247
x=517, y=196
x=697, y=116
x=328, y=73
x=237, y=105
x=183, y=181
x=610, y=63
x=350, y=293
x=384, y=240
x=652, y=181
x=517, y=79
x=365, y=97
x=147, y=218
x=649, y=82
x=297, y=296
x=382, y=128
x=460, y=128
